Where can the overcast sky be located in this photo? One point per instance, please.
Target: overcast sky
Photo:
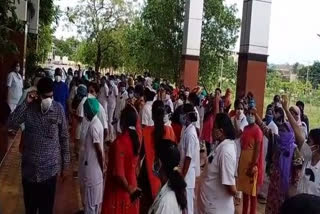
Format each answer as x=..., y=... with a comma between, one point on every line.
x=293, y=30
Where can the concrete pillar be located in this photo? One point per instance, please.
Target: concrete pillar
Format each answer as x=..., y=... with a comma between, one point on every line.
x=191, y=43
x=252, y=65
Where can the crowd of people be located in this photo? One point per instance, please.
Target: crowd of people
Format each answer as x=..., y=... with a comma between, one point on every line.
x=137, y=142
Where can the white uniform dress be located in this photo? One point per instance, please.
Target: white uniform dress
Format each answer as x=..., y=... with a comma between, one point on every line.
x=15, y=89
x=83, y=126
x=241, y=123
x=112, y=102
x=190, y=147
x=165, y=202
x=219, y=171
x=146, y=114
x=310, y=179
x=121, y=104
x=197, y=123
x=90, y=173
x=103, y=97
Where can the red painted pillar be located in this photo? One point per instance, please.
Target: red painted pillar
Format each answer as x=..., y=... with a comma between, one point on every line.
x=191, y=43
x=252, y=64
x=252, y=69
x=190, y=71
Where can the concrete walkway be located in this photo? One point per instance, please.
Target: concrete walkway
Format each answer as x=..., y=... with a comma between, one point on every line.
x=67, y=195
x=11, y=194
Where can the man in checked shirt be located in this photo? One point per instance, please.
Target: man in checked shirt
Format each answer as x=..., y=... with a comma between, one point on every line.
x=45, y=147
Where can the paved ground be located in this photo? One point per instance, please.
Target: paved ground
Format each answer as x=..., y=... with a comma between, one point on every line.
x=11, y=195
x=67, y=196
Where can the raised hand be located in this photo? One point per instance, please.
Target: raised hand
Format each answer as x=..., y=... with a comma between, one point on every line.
x=285, y=102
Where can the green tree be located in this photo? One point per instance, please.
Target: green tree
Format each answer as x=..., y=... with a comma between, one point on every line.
x=95, y=21
x=66, y=47
x=155, y=40
x=310, y=73
x=8, y=22
x=219, y=35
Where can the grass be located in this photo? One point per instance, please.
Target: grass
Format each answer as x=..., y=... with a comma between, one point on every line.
x=311, y=110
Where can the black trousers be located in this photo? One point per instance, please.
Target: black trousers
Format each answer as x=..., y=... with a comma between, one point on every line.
x=39, y=196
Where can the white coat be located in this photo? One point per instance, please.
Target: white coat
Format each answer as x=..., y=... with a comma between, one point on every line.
x=219, y=171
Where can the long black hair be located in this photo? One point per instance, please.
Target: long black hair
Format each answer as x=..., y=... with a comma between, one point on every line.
x=315, y=135
x=128, y=121
x=158, y=112
x=223, y=122
x=170, y=158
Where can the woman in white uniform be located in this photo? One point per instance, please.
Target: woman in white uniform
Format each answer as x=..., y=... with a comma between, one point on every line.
x=112, y=102
x=15, y=86
x=104, y=94
x=218, y=184
x=172, y=198
x=83, y=123
x=91, y=162
x=121, y=104
x=190, y=153
x=310, y=180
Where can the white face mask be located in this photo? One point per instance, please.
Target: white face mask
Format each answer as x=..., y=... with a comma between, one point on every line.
x=91, y=96
x=45, y=105
x=166, y=118
x=58, y=78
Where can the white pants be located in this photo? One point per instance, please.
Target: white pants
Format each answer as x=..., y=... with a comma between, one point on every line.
x=91, y=197
x=190, y=200
x=112, y=131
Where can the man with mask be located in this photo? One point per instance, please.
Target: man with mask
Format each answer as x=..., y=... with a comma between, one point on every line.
x=91, y=161
x=60, y=90
x=46, y=146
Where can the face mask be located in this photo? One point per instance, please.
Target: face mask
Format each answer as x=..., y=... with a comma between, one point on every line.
x=187, y=93
x=167, y=97
x=251, y=119
x=136, y=95
x=156, y=168
x=122, y=89
x=314, y=150
x=112, y=82
x=130, y=95
x=70, y=76
x=58, y=78
x=91, y=96
x=240, y=111
x=166, y=118
x=45, y=105
x=269, y=118
x=182, y=119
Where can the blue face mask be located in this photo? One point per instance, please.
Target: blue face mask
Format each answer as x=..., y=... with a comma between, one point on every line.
x=269, y=118
x=251, y=119
x=182, y=119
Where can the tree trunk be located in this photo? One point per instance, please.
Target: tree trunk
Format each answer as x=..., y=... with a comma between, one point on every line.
x=98, y=59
